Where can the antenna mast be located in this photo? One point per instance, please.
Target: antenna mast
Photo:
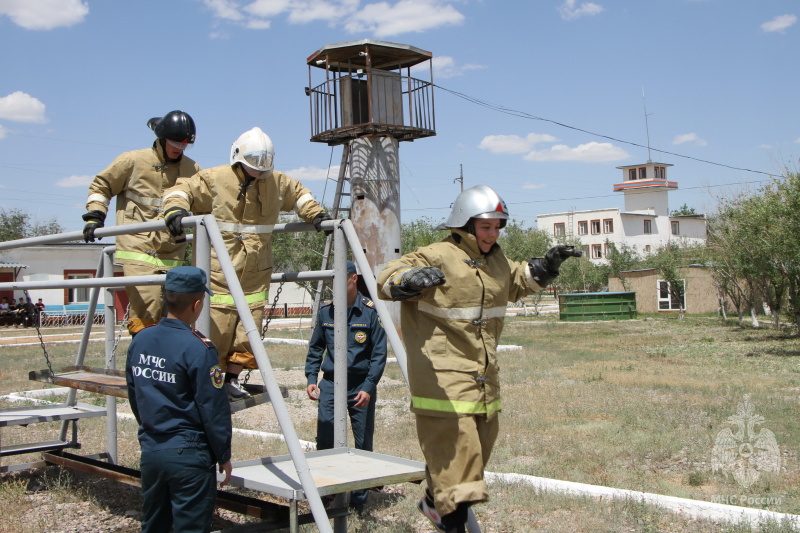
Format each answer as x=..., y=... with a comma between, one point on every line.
x=647, y=127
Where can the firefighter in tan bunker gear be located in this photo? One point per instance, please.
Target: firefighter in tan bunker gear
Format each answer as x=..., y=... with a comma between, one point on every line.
x=246, y=198
x=138, y=180
x=454, y=296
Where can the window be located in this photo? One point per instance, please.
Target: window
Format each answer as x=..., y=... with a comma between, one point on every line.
x=597, y=251
x=595, y=227
x=585, y=250
x=609, y=247
x=669, y=300
x=608, y=226
x=648, y=226
x=559, y=230
x=661, y=172
x=583, y=227
x=643, y=173
x=676, y=227
x=75, y=295
x=631, y=174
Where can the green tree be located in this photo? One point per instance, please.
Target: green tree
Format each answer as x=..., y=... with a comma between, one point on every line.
x=520, y=243
x=297, y=252
x=420, y=232
x=683, y=210
x=16, y=224
x=621, y=258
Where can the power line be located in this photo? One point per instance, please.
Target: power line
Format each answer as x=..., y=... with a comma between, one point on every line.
x=525, y=115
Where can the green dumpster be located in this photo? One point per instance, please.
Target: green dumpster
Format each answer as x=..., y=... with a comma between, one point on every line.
x=581, y=307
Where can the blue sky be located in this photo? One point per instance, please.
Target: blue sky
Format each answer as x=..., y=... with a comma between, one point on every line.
x=80, y=79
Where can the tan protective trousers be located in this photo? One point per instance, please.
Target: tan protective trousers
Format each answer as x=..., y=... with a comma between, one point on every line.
x=146, y=301
x=456, y=451
x=228, y=335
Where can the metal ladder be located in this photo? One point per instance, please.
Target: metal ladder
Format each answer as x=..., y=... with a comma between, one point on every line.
x=338, y=199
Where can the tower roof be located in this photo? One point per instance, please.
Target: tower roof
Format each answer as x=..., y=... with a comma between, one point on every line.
x=383, y=55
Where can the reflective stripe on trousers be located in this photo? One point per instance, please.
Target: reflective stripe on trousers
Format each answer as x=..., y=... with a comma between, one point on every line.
x=227, y=299
x=146, y=258
x=456, y=406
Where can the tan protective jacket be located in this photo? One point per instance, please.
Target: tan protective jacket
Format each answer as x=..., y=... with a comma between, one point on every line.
x=246, y=224
x=138, y=180
x=451, y=332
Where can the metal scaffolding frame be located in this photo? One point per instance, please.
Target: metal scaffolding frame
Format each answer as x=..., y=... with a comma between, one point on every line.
x=207, y=235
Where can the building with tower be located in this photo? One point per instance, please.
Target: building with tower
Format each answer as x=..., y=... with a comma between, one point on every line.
x=644, y=224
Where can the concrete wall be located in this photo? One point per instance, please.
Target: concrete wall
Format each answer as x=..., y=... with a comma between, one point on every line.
x=701, y=294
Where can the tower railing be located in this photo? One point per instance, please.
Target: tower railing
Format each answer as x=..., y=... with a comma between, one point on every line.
x=350, y=105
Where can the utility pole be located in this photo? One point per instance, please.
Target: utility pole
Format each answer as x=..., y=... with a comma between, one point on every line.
x=460, y=176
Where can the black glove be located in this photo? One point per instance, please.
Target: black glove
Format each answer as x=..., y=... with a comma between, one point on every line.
x=414, y=280
x=173, y=218
x=94, y=219
x=545, y=270
x=319, y=219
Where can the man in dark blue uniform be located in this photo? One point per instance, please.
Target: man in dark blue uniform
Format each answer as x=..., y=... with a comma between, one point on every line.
x=366, y=359
x=175, y=389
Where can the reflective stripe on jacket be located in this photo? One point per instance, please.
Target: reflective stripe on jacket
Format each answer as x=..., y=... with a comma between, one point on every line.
x=451, y=331
x=138, y=179
x=245, y=222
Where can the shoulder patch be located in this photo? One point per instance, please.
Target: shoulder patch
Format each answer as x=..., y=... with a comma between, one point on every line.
x=217, y=376
x=369, y=303
x=203, y=338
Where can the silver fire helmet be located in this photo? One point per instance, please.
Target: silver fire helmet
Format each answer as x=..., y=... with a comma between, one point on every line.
x=476, y=202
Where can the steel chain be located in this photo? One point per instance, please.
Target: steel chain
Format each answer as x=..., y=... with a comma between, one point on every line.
x=41, y=341
x=122, y=326
x=266, y=324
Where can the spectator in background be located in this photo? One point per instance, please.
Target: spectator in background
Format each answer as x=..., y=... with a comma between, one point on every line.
x=4, y=310
x=25, y=312
x=39, y=308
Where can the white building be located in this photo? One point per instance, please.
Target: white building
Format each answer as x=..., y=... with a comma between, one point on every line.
x=643, y=225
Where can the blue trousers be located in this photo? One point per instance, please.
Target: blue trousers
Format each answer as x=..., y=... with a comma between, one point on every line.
x=178, y=489
x=362, y=421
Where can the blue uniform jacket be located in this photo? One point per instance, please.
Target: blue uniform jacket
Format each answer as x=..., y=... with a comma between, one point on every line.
x=366, y=346
x=175, y=389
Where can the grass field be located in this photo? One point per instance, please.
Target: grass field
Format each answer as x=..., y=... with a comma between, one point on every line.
x=636, y=405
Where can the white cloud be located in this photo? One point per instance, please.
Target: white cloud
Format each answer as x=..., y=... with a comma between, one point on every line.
x=21, y=107
x=382, y=19
x=305, y=11
x=592, y=152
x=569, y=10
x=268, y=8
x=303, y=174
x=44, y=14
x=75, y=181
x=534, y=186
x=779, y=24
x=406, y=16
x=224, y=9
x=514, y=144
x=3, y=132
x=445, y=67
x=689, y=138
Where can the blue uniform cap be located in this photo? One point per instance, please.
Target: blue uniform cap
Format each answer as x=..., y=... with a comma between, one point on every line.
x=351, y=268
x=186, y=279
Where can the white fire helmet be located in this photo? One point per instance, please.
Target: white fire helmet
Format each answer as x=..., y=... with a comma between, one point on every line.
x=254, y=149
x=476, y=202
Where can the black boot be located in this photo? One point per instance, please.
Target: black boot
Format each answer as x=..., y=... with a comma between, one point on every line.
x=456, y=522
